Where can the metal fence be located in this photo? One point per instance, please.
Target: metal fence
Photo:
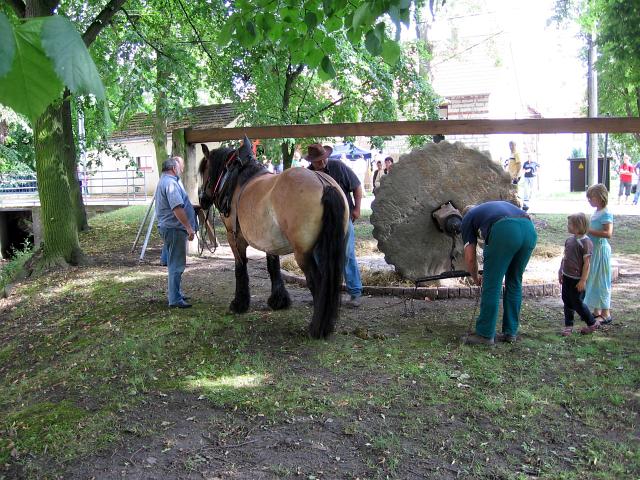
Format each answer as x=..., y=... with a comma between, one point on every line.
x=130, y=185
x=18, y=183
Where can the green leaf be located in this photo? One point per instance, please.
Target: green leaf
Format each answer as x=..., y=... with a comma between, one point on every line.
x=7, y=45
x=225, y=33
x=363, y=16
x=297, y=56
x=265, y=22
x=390, y=52
x=32, y=84
x=71, y=59
x=373, y=43
x=247, y=35
x=329, y=46
x=311, y=19
x=354, y=36
x=338, y=5
x=308, y=45
x=327, y=71
x=251, y=29
x=333, y=24
x=327, y=7
x=314, y=57
x=275, y=33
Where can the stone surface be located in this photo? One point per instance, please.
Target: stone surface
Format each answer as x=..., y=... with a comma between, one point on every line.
x=420, y=183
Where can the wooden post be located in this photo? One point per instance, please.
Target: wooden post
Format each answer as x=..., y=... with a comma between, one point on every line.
x=190, y=182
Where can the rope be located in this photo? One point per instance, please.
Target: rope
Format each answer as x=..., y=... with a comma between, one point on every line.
x=202, y=235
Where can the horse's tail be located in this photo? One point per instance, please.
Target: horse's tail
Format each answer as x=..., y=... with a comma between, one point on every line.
x=330, y=252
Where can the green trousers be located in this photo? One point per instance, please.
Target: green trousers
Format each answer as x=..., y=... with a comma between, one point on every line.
x=506, y=255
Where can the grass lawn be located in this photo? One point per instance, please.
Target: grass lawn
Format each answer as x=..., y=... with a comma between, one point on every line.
x=90, y=356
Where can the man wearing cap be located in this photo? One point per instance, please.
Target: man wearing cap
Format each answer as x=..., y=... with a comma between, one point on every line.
x=318, y=156
x=509, y=239
x=176, y=223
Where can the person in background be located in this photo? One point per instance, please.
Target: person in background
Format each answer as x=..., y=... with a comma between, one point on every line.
x=377, y=176
x=509, y=239
x=636, y=169
x=573, y=274
x=626, y=176
x=514, y=164
x=295, y=161
x=388, y=165
x=80, y=177
x=177, y=224
x=318, y=156
x=598, y=290
x=530, y=169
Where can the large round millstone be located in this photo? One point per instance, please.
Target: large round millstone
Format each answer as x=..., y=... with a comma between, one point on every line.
x=420, y=183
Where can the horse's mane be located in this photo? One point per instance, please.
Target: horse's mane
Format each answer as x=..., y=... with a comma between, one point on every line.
x=220, y=155
x=250, y=170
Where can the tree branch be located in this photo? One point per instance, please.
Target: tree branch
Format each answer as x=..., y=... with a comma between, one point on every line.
x=332, y=104
x=327, y=107
x=195, y=31
x=147, y=42
x=292, y=75
x=19, y=7
x=302, y=100
x=101, y=21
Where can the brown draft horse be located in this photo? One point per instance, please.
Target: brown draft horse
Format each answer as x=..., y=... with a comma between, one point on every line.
x=299, y=211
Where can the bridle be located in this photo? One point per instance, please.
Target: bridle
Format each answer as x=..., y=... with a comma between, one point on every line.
x=219, y=182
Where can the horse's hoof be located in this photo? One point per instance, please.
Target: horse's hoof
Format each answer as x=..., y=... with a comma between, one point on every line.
x=279, y=301
x=238, y=307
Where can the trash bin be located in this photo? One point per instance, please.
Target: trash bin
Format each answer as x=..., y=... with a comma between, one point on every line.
x=578, y=173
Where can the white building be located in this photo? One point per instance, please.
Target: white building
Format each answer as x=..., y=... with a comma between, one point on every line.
x=140, y=177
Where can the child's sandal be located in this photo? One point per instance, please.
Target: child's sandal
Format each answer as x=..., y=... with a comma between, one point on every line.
x=566, y=331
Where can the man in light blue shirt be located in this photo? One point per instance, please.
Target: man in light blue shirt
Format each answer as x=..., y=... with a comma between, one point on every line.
x=176, y=223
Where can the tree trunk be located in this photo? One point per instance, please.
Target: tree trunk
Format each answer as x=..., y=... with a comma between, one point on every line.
x=287, y=154
x=60, y=234
x=159, y=129
x=71, y=166
x=423, y=23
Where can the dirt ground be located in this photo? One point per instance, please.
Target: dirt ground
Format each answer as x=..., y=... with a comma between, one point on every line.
x=199, y=441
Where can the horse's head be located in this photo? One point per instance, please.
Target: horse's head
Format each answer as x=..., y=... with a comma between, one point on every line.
x=211, y=169
x=214, y=164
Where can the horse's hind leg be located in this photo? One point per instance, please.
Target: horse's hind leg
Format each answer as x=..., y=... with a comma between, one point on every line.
x=309, y=266
x=240, y=302
x=279, y=298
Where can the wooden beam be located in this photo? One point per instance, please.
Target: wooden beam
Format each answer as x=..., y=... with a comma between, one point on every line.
x=430, y=127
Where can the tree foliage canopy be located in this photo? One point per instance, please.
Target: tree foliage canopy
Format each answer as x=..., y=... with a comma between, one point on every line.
x=309, y=29
x=616, y=24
